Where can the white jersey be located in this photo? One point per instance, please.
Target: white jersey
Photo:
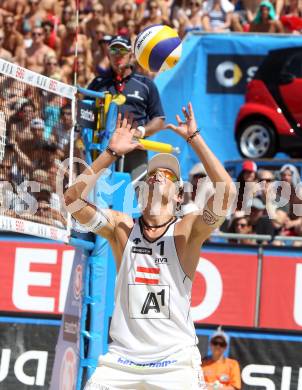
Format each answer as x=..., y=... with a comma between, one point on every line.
x=151, y=319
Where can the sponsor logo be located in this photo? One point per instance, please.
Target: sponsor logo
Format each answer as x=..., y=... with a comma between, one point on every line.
x=135, y=95
x=255, y=375
x=68, y=370
x=227, y=73
x=162, y=363
x=161, y=260
x=20, y=73
x=137, y=241
x=77, y=282
x=141, y=250
x=87, y=115
x=70, y=328
x=23, y=362
x=141, y=40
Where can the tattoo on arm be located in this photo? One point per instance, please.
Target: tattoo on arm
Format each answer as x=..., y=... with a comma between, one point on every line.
x=210, y=218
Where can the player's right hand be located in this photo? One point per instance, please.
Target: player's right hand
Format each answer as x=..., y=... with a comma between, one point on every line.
x=122, y=139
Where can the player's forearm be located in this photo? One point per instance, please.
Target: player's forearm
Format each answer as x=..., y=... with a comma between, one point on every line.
x=214, y=168
x=87, y=179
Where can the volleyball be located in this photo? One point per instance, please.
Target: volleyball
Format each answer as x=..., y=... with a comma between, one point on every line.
x=157, y=48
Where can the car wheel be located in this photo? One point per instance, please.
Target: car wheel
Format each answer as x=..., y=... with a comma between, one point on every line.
x=256, y=139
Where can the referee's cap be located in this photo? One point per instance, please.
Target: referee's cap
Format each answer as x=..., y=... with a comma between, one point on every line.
x=121, y=40
x=165, y=160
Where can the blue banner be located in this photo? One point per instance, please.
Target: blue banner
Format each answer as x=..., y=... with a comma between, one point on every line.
x=212, y=74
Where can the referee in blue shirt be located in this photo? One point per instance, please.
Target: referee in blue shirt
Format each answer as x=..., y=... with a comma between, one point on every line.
x=140, y=96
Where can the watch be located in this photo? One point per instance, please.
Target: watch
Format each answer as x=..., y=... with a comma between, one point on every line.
x=142, y=130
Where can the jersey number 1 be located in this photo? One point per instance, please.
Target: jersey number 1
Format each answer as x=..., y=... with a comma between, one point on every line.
x=161, y=244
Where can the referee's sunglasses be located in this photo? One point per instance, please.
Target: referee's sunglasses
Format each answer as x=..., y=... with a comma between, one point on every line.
x=167, y=174
x=118, y=51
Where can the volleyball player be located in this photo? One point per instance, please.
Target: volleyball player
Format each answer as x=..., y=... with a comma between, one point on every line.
x=153, y=337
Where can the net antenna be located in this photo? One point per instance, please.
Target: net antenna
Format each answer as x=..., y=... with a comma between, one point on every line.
x=77, y=19
x=2, y=135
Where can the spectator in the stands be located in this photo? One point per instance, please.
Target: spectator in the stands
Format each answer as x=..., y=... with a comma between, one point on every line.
x=192, y=20
x=293, y=207
x=243, y=15
x=19, y=123
x=153, y=15
x=128, y=13
x=4, y=54
x=51, y=38
x=97, y=19
x=198, y=190
x=241, y=224
x=68, y=50
x=33, y=18
x=63, y=128
x=291, y=17
x=219, y=371
x=245, y=180
x=218, y=15
x=67, y=16
x=257, y=211
x=99, y=48
x=16, y=8
x=52, y=68
x=13, y=40
x=37, y=52
x=265, y=20
x=265, y=177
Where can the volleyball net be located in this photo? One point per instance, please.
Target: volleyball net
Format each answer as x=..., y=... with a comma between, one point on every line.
x=37, y=116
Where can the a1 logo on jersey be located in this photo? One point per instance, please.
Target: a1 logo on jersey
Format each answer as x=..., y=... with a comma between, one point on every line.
x=149, y=301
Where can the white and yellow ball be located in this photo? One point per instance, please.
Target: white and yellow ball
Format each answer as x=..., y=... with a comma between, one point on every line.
x=157, y=48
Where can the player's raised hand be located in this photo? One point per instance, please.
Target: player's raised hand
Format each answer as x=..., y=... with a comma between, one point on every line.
x=122, y=139
x=187, y=127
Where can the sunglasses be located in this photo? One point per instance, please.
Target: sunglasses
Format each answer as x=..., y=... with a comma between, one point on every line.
x=268, y=180
x=219, y=344
x=119, y=51
x=241, y=224
x=37, y=34
x=167, y=174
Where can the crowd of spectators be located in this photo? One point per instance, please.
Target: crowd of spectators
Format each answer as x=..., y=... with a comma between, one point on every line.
x=41, y=34
x=269, y=202
x=37, y=126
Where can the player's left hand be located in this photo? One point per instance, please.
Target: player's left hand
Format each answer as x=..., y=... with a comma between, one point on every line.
x=122, y=139
x=185, y=128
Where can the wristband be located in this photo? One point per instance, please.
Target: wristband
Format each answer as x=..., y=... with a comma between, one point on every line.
x=189, y=139
x=112, y=152
x=142, y=131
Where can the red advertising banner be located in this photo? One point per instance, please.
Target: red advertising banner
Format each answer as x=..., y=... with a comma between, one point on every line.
x=34, y=277
x=224, y=288
x=281, y=292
